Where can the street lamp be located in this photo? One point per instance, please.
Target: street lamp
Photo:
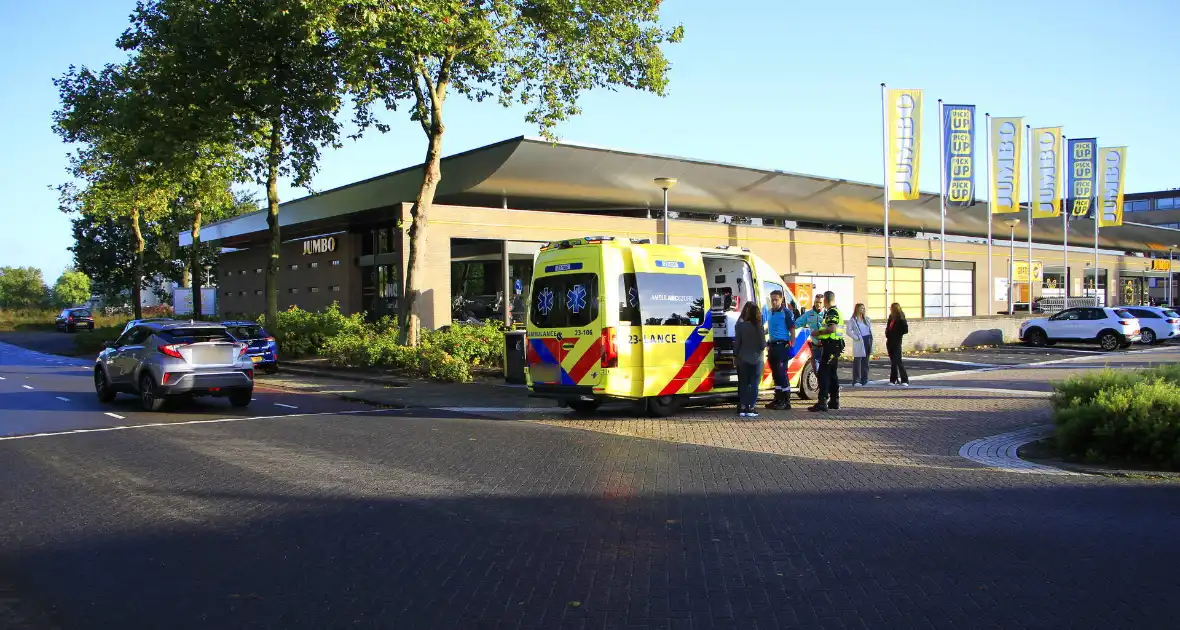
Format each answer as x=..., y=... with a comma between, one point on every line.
x=1012, y=223
x=665, y=183
x=1170, y=248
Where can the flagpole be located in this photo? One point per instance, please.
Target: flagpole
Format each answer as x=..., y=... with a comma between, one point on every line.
x=1095, y=211
x=942, y=203
x=1064, y=214
x=885, y=181
x=1028, y=157
x=987, y=161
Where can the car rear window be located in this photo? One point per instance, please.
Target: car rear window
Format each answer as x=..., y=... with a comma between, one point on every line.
x=1124, y=314
x=247, y=331
x=81, y=313
x=1171, y=314
x=194, y=335
x=565, y=301
x=670, y=299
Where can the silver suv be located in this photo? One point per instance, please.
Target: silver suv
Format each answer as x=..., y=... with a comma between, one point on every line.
x=157, y=360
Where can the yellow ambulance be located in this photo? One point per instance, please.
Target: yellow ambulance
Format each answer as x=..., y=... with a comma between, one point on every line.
x=623, y=319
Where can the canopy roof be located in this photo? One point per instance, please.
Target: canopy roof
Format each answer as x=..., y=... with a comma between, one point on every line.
x=535, y=174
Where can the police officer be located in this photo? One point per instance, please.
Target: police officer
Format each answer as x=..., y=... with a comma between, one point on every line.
x=781, y=322
x=831, y=338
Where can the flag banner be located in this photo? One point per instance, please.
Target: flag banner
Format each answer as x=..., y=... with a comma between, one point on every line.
x=903, y=109
x=1006, y=147
x=958, y=132
x=1044, y=152
x=1082, y=171
x=1112, y=167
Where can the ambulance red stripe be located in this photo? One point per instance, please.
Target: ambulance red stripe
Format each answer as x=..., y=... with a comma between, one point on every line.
x=689, y=367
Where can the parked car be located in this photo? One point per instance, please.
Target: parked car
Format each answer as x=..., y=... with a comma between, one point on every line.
x=1110, y=328
x=1155, y=323
x=71, y=319
x=148, y=320
x=160, y=360
x=262, y=348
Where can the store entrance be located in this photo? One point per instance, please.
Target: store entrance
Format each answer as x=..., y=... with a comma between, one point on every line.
x=478, y=289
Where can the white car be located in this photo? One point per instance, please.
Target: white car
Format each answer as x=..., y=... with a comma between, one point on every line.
x=1110, y=328
x=1156, y=323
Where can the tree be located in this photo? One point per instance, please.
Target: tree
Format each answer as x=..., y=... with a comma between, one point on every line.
x=72, y=288
x=540, y=53
x=259, y=76
x=21, y=287
x=111, y=116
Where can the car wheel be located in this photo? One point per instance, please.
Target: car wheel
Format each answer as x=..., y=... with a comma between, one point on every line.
x=1036, y=338
x=147, y=394
x=808, y=382
x=583, y=407
x=1147, y=336
x=241, y=397
x=102, y=387
x=662, y=406
x=1109, y=341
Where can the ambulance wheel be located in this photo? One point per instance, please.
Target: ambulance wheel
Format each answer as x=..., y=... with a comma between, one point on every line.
x=583, y=407
x=808, y=382
x=662, y=406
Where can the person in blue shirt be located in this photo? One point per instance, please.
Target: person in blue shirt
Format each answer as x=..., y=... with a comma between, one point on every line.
x=811, y=320
x=781, y=322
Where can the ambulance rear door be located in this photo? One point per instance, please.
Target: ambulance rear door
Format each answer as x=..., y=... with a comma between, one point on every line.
x=676, y=330
x=565, y=319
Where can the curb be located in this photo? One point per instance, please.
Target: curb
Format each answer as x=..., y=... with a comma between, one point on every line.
x=999, y=452
x=343, y=376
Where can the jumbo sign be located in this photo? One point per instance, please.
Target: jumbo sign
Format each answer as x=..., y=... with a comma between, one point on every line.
x=319, y=245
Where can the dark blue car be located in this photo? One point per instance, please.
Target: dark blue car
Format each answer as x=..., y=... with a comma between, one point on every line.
x=261, y=347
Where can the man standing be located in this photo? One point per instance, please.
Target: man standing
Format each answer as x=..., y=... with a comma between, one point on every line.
x=781, y=322
x=831, y=338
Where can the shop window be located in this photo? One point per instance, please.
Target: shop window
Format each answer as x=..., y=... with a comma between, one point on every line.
x=242, y=272
x=258, y=292
x=313, y=289
x=960, y=293
x=241, y=294
x=335, y=263
x=334, y=288
x=258, y=272
x=314, y=265
x=228, y=274
x=229, y=294
x=293, y=290
x=293, y=267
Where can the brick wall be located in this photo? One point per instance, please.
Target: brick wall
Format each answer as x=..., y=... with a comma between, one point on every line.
x=309, y=281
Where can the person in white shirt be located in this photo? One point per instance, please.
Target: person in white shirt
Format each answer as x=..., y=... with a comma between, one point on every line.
x=732, y=314
x=860, y=331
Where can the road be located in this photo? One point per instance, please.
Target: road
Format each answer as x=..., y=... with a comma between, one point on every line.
x=305, y=511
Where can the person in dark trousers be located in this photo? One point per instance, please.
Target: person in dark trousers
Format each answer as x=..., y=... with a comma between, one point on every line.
x=831, y=339
x=749, y=346
x=781, y=323
x=895, y=329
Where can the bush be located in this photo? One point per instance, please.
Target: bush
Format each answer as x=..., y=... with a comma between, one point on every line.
x=303, y=333
x=372, y=350
x=481, y=344
x=1121, y=417
x=42, y=319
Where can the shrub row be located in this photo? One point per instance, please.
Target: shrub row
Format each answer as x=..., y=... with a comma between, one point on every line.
x=1124, y=417
x=348, y=341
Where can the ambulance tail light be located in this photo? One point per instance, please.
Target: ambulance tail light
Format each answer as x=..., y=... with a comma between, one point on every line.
x=610, y=348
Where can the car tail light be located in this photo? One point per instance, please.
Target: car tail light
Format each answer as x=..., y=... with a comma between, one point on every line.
x=1174, y=321
x=1123, y=322
x=167, y=378
x=70, y=318
x=172, y=351
x=242, y=349
x=249, y=374
x=270, y=339
x=610, y=348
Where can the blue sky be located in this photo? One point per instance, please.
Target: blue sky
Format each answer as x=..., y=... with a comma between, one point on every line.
x=782, y=85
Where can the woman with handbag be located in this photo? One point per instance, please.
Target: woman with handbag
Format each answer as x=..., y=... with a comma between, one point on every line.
x=749, y=349
x=860, y=331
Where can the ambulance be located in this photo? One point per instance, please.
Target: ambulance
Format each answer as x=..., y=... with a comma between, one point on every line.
x=625, y=320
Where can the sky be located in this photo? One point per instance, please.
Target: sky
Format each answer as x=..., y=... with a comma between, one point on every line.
x=777, y=84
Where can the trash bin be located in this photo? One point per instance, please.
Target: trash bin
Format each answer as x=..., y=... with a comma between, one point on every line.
x=514, y=356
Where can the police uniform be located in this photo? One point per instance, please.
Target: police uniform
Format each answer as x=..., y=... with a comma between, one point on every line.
x=831, y=347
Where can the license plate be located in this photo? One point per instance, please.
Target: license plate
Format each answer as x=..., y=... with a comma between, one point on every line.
x=256, y=359
x=544, y=373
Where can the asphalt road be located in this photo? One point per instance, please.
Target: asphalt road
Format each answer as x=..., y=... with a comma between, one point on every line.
x=324, y=514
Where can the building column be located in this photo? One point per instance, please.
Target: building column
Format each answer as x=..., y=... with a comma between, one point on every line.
x=506, y=282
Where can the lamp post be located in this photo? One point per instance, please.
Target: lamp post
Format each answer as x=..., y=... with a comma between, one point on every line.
x=1012, y=223
x=1169, y=292
x=666, y=183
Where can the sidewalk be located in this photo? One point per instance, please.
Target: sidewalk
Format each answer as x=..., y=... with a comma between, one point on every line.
x=384, y=388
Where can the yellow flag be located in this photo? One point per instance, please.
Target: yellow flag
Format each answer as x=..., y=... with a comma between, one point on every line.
x=1045, y=153
x=903, y=113
x=1112, y=168
x=1007, y=148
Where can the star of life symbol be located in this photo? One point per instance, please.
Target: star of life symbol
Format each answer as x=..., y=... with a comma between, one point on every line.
x=632, y=297
x=545, y=301
x=575, y=299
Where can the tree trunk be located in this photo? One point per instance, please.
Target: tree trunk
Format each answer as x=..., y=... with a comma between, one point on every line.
x=274, y=158
x=195, y=284
x=137, y=272
x=411, y=319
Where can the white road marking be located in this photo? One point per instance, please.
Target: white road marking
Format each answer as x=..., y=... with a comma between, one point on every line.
x=286, y=406
x=966, y=363
x=63, y=398
x=113, y=415
x=336, y=391
x=164, y=425
x=27, y=386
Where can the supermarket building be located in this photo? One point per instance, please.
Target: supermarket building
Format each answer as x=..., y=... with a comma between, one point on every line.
x=496, y=205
